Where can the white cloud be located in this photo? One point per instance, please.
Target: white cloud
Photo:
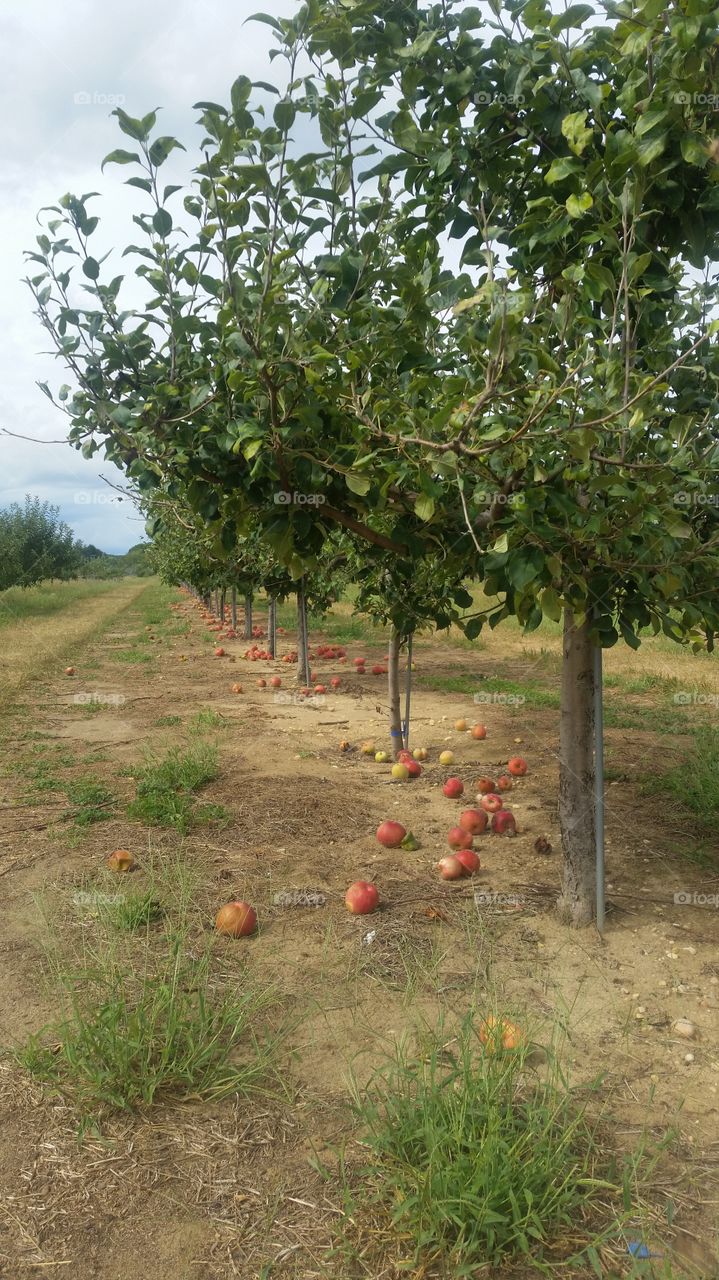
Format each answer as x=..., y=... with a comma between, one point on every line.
x=168, y=54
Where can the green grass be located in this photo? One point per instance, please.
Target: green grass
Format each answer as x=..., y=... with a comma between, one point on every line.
x=18, y=605
x=476, y=1160
x=209, y=719
x=166, y=787
x=510, y=694
x=132, y=1037
x=135, y=911
x=91, y=801
x=131, y=656
x=692, y=786
x=163, y=722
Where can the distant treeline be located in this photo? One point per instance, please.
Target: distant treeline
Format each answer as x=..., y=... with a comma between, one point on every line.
x=37, y=546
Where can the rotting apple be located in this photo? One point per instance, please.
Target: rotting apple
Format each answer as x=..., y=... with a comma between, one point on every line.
x=484, y=786
x=503, y=823
x=450, y=868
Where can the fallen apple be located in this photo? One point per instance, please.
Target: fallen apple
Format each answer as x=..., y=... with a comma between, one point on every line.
x=450, y=868
x=453, y=788
x=414, y=769
x=474, y=821
x=320, y=688
x=499, y=1033
x=368, y=748
x=517, y=766
x=479, y=731
x=377, y=670
x=261, y=683
x=504, y=782
x=381, y=757
x=491, y=803
x=219, y=653
x=469, y=860
x=420, y=753
x=237, y=919
x=503, y=823
x=484, y=786
x=335, y=682
x=362, y=898
x=69, y=671
x=460, y=726
x=120, y=860
x=400, y=771
x=458, y=838
x=275, y=682
x=391, y=834
x=446, y=757
x=237, y=688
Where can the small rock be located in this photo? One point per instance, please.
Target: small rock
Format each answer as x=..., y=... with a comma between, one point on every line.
x=684, y=1028
x=688, y=1057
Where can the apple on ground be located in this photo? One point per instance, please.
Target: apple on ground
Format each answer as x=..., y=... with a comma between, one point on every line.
x=420, y=753
x=474, y=821
x=469, y=859
x=381, y=757
x=479, y=731
x=400, y=771
x=504, y=782
x=236, y=919
x=362, y=898
x=276, y=682
x=503, y=823
x=390, y=833
x=450, y=868
x=458, y=838
x=460, y=726
x=446, y=757
x=453, y=788
x=491, y=803
x=517, y=766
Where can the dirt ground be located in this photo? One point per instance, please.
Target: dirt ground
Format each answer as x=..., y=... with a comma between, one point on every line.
x=214, y=1191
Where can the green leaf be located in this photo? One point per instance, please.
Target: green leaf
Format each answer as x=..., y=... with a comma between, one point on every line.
x=551, y=606
x=357, y=483
x=162, y=222
x=578, y=205
x=268, y=21
x=284, y=115
x=561, y=168
x=133, y=128
x=575, y=16
x=424, y=506
x=161, y=148
x=575, y=131
x=649, y=149
x=91, y=268
x=694, y=150
x=121, y=157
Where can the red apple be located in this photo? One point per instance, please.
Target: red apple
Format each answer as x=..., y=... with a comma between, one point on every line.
x=238, y=919
x=391, y=834
x=413, y=768
x=69, y=671
x=377, y=670
x=491, y=803
x=479, y=731
x=361, y=898
x=517, y=766
x=469, y=860
x=458, y=838
x=474, y=821
x=320, y=688
x=485, y=785
x=503, y=823
x=261, y=684
x=504, y=783
x=359, y=662
x=450, y=868
x=335, y=682
x=453, y=788
x=276, y=682
x=219, y=653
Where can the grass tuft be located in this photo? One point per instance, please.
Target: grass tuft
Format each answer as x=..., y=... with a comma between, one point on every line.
x=166, y=788
x=477, y=1159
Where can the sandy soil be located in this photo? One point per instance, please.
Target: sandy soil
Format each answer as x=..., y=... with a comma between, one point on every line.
x=223, y=1190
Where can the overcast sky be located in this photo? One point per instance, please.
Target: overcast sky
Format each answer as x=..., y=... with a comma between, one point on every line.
x=64, y=68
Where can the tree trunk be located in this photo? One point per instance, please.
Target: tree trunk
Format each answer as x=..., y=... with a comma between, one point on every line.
x=272, y=626
x=303, y=648
x=222, y=605
x=248, y=617
x=577, y=904
x=217, y=601
x=234, y=608
x=393, y=690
